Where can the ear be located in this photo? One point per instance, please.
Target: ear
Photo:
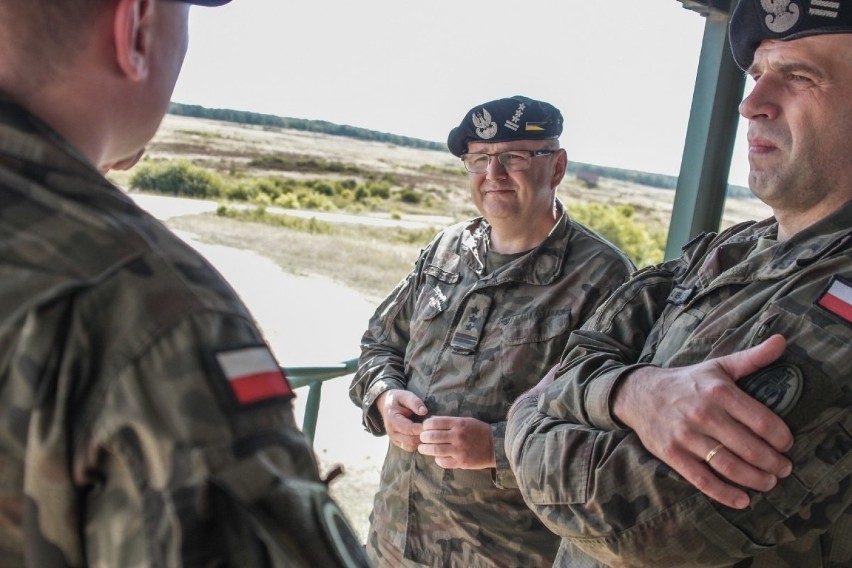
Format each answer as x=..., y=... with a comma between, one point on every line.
x=132, y=26
x=560, y=164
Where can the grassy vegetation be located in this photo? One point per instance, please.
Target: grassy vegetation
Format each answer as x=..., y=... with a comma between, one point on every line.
x=644, y=244
x=334, y=190
x=375, y=193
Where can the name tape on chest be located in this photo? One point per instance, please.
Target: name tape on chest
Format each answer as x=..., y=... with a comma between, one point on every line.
x=837, y=299
x=253, y=375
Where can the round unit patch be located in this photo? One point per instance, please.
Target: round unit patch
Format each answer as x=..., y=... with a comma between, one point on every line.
x=778, y=387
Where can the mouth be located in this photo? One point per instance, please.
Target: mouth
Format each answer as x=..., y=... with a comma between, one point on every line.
x=760, y=145
x=497, y=189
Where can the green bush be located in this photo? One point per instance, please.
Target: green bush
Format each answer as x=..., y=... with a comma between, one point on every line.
x=288, y=201
x=361, y=193
x=380, y=189
x=323, y=188
x=316, y=201
x=239, y=192
x=410, y=195
x=645, y=246
x=178, y=177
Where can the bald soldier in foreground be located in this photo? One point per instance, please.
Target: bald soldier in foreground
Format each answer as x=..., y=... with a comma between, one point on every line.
x=703, y=416
x=143, y=419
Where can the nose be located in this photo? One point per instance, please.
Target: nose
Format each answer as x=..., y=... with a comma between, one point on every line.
x=761, y=103
x=495, y=169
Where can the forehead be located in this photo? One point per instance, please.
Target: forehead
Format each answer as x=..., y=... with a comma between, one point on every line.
x=824, y=51
x=475, y=147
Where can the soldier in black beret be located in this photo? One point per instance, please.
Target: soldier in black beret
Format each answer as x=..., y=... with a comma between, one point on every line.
x=485, y=312
x=703, y=416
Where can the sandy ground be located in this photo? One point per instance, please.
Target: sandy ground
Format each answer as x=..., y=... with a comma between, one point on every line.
x=307, y=322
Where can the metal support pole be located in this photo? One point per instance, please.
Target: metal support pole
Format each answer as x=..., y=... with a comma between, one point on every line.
x=703, y=180
x=309, y=424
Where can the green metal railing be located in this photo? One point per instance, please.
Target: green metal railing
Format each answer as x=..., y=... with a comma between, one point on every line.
x=313, y=378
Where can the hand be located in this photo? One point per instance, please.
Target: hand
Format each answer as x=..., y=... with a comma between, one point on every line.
x=458, y=443
x=680, y=415
x=397, y=407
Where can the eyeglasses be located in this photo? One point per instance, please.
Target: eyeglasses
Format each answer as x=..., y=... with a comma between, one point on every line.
x=512, y=161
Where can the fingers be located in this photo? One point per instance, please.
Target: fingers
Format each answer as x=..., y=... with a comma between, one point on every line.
x=405, y=443
x=411, y=401
x=757, y=435
x=458, y=442
x=699, y=473
x=397, y=406
x=746, y=362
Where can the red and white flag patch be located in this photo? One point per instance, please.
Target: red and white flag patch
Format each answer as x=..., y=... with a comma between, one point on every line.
x=253, y=375
x=838, y=299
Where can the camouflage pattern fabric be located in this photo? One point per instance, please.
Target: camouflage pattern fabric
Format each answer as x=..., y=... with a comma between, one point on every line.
x=592, y=482
x=126, y=437
x=468, y=343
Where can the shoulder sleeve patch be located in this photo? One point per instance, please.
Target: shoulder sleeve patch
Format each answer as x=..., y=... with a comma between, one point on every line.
x=253, y=375
x=778, y=387
x=837, y=299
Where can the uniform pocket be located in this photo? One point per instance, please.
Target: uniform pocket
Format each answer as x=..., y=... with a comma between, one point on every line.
x=531, y=344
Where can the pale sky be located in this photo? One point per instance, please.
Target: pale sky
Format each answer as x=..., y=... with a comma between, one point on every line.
x=621, y=71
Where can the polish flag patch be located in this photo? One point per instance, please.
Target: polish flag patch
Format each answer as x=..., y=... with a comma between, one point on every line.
x=838, y=299
x=253, y=375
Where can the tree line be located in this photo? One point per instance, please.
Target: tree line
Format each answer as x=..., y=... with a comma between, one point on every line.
x=321, y=126
x=259, y=119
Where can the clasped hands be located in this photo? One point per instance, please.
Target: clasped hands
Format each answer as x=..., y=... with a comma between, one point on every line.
x=455, y=442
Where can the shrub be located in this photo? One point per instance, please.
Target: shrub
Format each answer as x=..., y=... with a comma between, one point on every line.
x=380, y=189
x=410, y=195
x=316, y=201
x=239, y=192
x=288, y=201
x=644, y=245
x=323, y=188
x=361, y=193
x=178, y=177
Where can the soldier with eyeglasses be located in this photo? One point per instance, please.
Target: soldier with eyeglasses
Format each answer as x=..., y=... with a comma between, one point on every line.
x=486, y=310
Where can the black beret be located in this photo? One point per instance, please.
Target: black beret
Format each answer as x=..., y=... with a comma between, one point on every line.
x=515, y=118
x=756, y=20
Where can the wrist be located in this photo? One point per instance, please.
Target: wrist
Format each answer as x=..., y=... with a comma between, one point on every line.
x=624, y=401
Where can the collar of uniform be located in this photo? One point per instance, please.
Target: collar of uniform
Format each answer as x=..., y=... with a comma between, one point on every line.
x=786, y=257
x=25, y=137
x=540, y=267
x=815, y=242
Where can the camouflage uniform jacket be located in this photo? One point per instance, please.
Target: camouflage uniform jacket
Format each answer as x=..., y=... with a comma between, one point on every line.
x=143, y=420
x=614, y=504
x=468, y=343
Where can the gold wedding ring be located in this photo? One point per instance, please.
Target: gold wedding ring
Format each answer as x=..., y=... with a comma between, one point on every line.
x=713, y=452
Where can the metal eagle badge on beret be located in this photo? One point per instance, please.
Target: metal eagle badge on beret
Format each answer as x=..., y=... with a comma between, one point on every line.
x=756, y=20
x=778, y=387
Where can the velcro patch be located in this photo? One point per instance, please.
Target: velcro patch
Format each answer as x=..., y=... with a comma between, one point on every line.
x=253, y=375
x=837, y=299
